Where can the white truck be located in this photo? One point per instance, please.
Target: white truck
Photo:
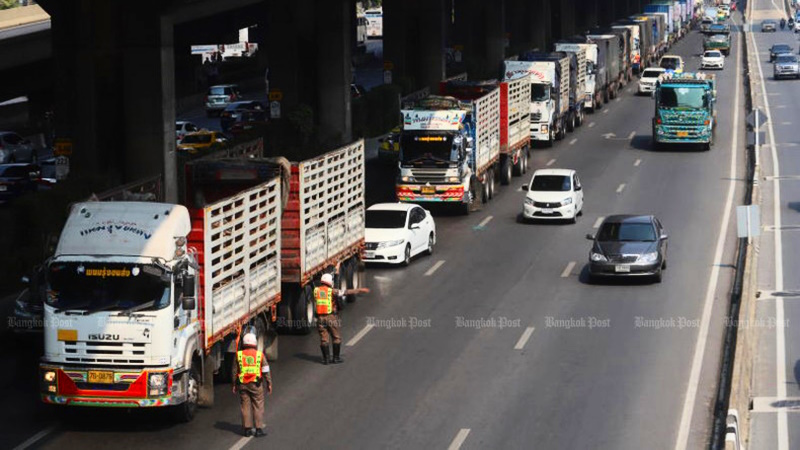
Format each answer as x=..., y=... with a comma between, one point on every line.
x=593, y=97
x=549, y=94
x=147, y=300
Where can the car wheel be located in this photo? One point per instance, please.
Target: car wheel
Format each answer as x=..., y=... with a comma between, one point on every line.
x=407, y=256
x=664, y=264
x=657, y=277
x=430, y=244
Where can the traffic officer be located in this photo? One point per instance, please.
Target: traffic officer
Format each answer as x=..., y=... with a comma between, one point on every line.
x=325, y=298
x=251, y=366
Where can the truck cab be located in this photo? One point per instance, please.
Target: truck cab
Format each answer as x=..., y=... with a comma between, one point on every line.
x=684, y=109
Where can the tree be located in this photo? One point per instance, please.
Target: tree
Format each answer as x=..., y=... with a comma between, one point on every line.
x=8, y=4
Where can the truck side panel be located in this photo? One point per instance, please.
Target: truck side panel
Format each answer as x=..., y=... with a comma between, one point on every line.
x=515, y=114
x=238, y=243
x=324, y=217
x=486, y=114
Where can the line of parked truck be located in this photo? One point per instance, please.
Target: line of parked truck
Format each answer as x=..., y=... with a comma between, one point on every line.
x=454, y=146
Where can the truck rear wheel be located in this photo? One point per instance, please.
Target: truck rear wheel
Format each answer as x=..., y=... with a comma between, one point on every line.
x=492, y=182
x=303, y=311
x=354, y=280
x=516, y=169
x=506, y=169
x=485, y=188
x=571, y=122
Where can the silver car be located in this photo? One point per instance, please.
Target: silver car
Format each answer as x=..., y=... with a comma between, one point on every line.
x=768, y=25
x=15, y=148
x=786, y=65
x=219, y=97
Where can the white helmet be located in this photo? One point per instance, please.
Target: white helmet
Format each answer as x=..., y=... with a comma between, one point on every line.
x=327, y=279
x=250, y=339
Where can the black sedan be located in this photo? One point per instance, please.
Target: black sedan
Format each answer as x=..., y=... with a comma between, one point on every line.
x=233, y=112
x=629, y=245
x=17, y=180
x=778, y=49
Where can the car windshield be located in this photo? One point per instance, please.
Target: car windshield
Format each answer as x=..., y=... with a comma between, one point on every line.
x=219, y=90
x=377, y=218
x=713, y=55
x=540, y=92
x=650, y=73
x=786, y=59
x=178, y=126
x=16, y=171
x=692, y=97
x=616, y=231
x=196, y=139
x=781, y=48
x=550, y=183
x=100, y=286
x=670, y=63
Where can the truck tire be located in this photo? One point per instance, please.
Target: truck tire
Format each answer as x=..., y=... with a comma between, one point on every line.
x=571, y=122
x=507, y=169
x=485, y=188
x=267, y=337
x=355, y=279
x=186, y=411
x=516, y=169
x=579, y=118
x=525, y=157
x=303, y=310
x=492, y=183
x=206, y=392
x=342, y=282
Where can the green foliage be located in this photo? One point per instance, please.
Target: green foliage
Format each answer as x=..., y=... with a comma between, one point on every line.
x=8, y=4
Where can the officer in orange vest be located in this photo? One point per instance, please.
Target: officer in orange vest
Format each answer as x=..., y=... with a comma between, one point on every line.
x=251, y=366
x=325, y=299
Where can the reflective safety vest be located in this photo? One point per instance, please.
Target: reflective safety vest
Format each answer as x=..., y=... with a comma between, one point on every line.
x=323, y=297
x=249, y=365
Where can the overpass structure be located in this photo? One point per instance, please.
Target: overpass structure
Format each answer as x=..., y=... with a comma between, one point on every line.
x=114, y=66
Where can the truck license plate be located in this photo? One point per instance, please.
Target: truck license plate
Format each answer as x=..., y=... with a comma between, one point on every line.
x=683, y=133
x=96, y=376
x=623, y=268
x=428, y=190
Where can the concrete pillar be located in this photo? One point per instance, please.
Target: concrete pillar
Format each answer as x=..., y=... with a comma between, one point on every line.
x=289, y=46
x=590, y=14
x=333, y=69
x=427, y=63
x=480, y=28
x=564, y=20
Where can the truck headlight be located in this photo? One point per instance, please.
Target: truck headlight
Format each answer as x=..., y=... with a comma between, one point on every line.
x=387, y=244
x=49, y=383
x=453, y=180
x=157, y=384
x=49, y=376
x=407, y=179
x=544, y=129
x=597, y=257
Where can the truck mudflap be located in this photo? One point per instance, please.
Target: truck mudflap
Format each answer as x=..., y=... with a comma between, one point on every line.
x=128, y=389
x=438, y=193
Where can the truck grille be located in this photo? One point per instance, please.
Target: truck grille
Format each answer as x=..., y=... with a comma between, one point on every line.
x=535, y=117
x=429, y=175
x=101, y=352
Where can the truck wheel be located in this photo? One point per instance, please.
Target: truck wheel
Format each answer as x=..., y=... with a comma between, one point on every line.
x=303, y=311
x=342, y=282
x=525, y=161
x=492, y=182
x=355, y=280
x=186, y=411
x=605, y=95
x=579, y=120
x=515, y=169
x=206, y=393
x=507, y=169
x=571, y=122
x=485, y=188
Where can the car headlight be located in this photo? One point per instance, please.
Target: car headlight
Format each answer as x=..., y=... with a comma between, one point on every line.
x=157, y=384
x=566, y=201
x=387, y=244
x=529, y=201
x=597, y=257
x=649, y=257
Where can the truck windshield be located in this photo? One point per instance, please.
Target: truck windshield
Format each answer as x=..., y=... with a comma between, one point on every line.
x=691, y=97
x=99, y=286
x=427, y=146
x=540, y=92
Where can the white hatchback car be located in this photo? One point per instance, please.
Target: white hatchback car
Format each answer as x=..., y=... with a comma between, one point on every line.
x=396, y=232
x=647, y=82
x=712, y=59
x=182, y=128
x=553, y=194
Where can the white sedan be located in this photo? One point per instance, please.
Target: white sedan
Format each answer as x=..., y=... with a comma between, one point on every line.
x=553, y=194
x=647, y=82
x=182, y=128
x=396, y=232
x=712, y=59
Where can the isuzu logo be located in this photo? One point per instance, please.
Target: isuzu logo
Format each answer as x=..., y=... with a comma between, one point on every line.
x=104, y=337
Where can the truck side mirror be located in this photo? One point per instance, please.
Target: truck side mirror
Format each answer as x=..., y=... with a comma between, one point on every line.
x=188, y=285
x=188, y=303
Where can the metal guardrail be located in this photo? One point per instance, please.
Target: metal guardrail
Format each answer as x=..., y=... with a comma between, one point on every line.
x=149, y=189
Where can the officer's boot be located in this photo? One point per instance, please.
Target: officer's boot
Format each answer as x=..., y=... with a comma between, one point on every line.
x=336, y=349
x=325, y=353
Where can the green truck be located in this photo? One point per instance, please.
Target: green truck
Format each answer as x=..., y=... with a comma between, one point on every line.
x=721, y=42
x=685, y=110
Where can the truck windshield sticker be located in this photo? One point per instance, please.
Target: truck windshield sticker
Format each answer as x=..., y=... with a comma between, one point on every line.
x=112, y=228
x=432, y=120
x=105, y=272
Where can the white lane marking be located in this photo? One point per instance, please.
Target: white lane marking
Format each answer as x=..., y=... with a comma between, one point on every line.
x=550, y=163
x=459, y=439
x=524, y=338
x=485, y=221
x=605, y=111
x=618, y=99
x=598, y=222
x=775, y=404
x=637, y=163
x=434, y=268
x=573, y=141
x=568, y=270
x=786, y=123
x=621, y=188
x=630, y=136
x=702, y=337
x=380, y=278
x=591, y=124
x=241, y=443
x=360, y=335
x=36, y=438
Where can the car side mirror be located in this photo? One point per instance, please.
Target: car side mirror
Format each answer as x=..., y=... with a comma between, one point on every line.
x=664, y=237
x=188, y=303
x=188, y=286
x=578, y=188
x=524, y=187
x=590, y=237
x=414, y=226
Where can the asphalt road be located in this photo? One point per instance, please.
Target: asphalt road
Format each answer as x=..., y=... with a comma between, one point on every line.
x=606, y=366
x=776, y=384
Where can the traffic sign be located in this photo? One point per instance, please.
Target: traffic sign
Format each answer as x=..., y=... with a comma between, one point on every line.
x=62, y=147
x=275, y=110
x=275, y=95
x=756, y=118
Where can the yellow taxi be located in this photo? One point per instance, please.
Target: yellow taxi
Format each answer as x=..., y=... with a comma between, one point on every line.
x=202, y=141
